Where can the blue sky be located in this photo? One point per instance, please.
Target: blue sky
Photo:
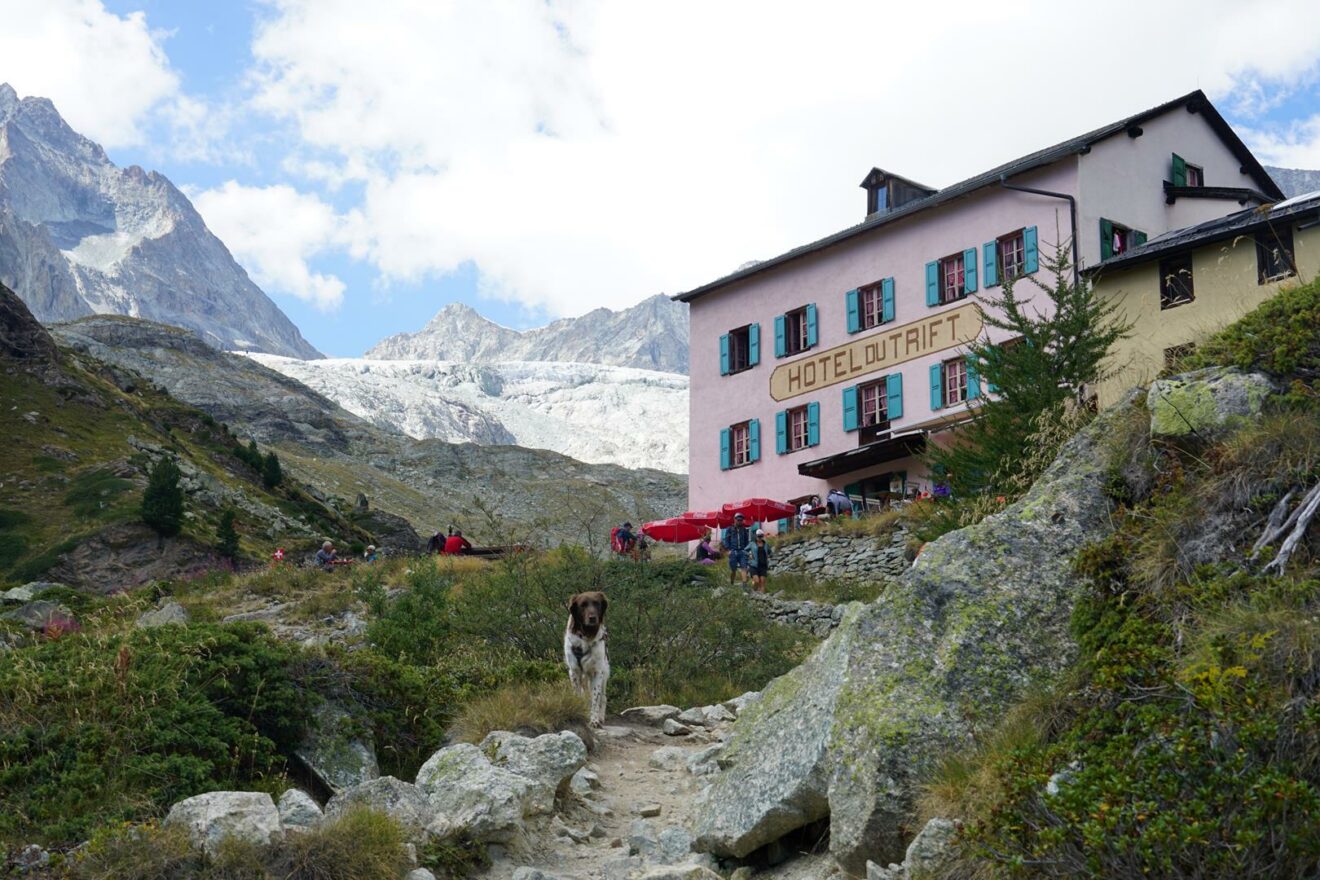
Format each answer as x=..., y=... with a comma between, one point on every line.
x=369, y=163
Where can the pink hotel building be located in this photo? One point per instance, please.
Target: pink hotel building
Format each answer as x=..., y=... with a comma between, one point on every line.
x=834, y=364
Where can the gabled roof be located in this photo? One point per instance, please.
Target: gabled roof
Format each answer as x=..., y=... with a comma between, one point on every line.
x=1220, y=229
x=1195, y=102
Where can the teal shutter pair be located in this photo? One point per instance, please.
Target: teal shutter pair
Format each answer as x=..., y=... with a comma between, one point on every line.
x=937, y=383
x=753, y=349
x=1030, y=257
x=854, y=301
x=781, y=428
x=753, y=444
x=893, y=402
x=781, y=331
x=933, y=277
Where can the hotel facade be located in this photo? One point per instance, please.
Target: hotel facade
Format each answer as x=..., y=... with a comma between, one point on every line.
x=832, y=365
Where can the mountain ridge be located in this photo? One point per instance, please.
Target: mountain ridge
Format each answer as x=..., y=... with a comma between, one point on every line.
x=80, y=236
x=652, y=335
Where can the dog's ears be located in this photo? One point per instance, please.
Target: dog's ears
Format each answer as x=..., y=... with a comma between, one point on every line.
x=604, y=603
x=573, y=604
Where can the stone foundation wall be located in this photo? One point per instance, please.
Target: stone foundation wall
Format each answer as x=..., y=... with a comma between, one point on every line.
x=844, y=557
x=816, y=618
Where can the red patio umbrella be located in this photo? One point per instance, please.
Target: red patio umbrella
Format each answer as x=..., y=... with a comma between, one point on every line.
x=673, y=531
x=760, y=509
x=711, y=518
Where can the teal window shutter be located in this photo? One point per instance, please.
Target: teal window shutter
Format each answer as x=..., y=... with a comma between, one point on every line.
x=894, y=395
x=726, y=449
x=724, y=355
x=933, y=283
x=973, y=379
x=887, y=300
x=754, y=440
x=969, y=270
x=813, y=424
x=781, y=527
x=991, y=387
x=854, y=300
x=781, y=432
x=781, y=345
x=1138, y=238
x=753, y=345
x=850, y=408
x=990, y=252
x=937, y=386
x=1106, y=239
x=811, y=325
x=1179, y=175
x=1030, y=255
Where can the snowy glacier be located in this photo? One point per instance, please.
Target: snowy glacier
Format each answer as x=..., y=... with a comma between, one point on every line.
x=592, y=412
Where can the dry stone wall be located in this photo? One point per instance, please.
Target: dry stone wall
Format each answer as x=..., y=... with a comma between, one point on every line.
x=844, y=557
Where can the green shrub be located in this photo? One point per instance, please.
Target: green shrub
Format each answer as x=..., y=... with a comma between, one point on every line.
x=833, y=592
x=1280, y=336
x=453, y=859
x=92, y=494
x=137, y=852
x=162, y=500
x=360, y=845
x=226, y=536
x=95, y=729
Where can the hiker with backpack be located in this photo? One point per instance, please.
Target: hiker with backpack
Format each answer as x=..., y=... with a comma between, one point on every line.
x=623, y=541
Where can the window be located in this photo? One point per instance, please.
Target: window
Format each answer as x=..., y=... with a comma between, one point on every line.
x=955, y=381
x=1012, y=255
x=1174, y=354
x=873, y=306
x=1176, y=281
x=874, y=401
x=795, y=331
x=1274, y=256
x=740, y=349
x=797, y=429
x=1184, y=174
x=740, y=439
x=870, y=305
x=1195, y=176
x=1116, y=239
x=952, y=279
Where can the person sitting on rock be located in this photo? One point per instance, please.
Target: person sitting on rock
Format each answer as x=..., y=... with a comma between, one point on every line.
x=370, y=554
x=456, y=544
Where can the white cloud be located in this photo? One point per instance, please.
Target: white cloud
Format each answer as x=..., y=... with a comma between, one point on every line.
x=273, y=231
x=106, y=73
x=588, y=153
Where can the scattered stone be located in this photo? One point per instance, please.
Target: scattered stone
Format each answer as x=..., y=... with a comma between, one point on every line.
x=681, y=872
x=669, y=847
x=648, y=811
x=875, y=872
x=526, y=873
x=616, y=843
x=1205, y=401
x=584, y=782
x=19, y=594
x=932, y=850
x=717, y=714
x=298, y=810
x=405, y=803
x=622, y=869
x=471, y=796
x=668, y=758
x=335, y=750
x=170, y=612
x=705, y=762
x=673, y=728
x=31, y=858
x=419, y=874
x=614, y=731
x=651, y=716
x=39, y=614
x=693, y=717
x=249, y=816
x=577, y=835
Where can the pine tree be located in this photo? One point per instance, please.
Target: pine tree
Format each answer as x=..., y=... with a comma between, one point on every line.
x=1050, y=362
x=227, y=536
x=162, y=501
x=271, y=472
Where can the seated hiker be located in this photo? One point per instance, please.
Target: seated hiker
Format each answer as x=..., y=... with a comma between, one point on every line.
x=623, y=541
x=370, y=554
x=456, y=544
x=437, y=543
x=704, y=553
x=326, y=556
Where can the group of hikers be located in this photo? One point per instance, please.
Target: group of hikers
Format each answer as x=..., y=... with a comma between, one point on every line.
x=451, y=543
x=743, y=545
x=328, y=557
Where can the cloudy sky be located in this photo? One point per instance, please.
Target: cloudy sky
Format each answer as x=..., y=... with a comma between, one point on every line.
x=368, y=162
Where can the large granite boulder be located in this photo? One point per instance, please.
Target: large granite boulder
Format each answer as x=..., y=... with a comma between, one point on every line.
x=472, y=796
x=547, y=761
x=298, y=810
x=981, y=616
x=336, y=751
x=169, y=613
x=1205, y=402
x=249, y=816
x=401, y=801
x=40, y=614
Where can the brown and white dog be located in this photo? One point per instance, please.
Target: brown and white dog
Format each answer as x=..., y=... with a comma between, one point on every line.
x=584, y=650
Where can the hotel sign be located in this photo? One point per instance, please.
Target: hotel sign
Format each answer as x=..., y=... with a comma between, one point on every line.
x=887, y=348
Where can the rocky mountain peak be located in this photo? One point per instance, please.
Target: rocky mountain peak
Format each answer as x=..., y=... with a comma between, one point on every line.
x=79, y=236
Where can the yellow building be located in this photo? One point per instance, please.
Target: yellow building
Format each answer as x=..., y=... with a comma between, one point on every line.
x=1181, y=287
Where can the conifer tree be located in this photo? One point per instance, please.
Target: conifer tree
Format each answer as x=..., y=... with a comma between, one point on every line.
x=271, y=472
x=227, y=536
x=162, y=501
x=1054, y=356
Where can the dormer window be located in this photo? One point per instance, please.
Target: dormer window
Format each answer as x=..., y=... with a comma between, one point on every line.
x=887, y=192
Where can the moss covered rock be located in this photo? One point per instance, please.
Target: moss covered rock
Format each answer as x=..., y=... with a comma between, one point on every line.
x=1205, y=401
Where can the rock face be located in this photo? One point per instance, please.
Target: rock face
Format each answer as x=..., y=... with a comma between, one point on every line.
x=652, y=335
x=22, y=339
x=548, y=761
x=334, y=751
x=79, y=235
x=401, y=801
x=981, y=615
x=469, y=794
x=1205, y=401
x=210, y=818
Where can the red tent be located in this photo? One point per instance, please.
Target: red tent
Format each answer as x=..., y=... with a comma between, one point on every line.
x=760, y=509
x=673, y=531
x=711, y=518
